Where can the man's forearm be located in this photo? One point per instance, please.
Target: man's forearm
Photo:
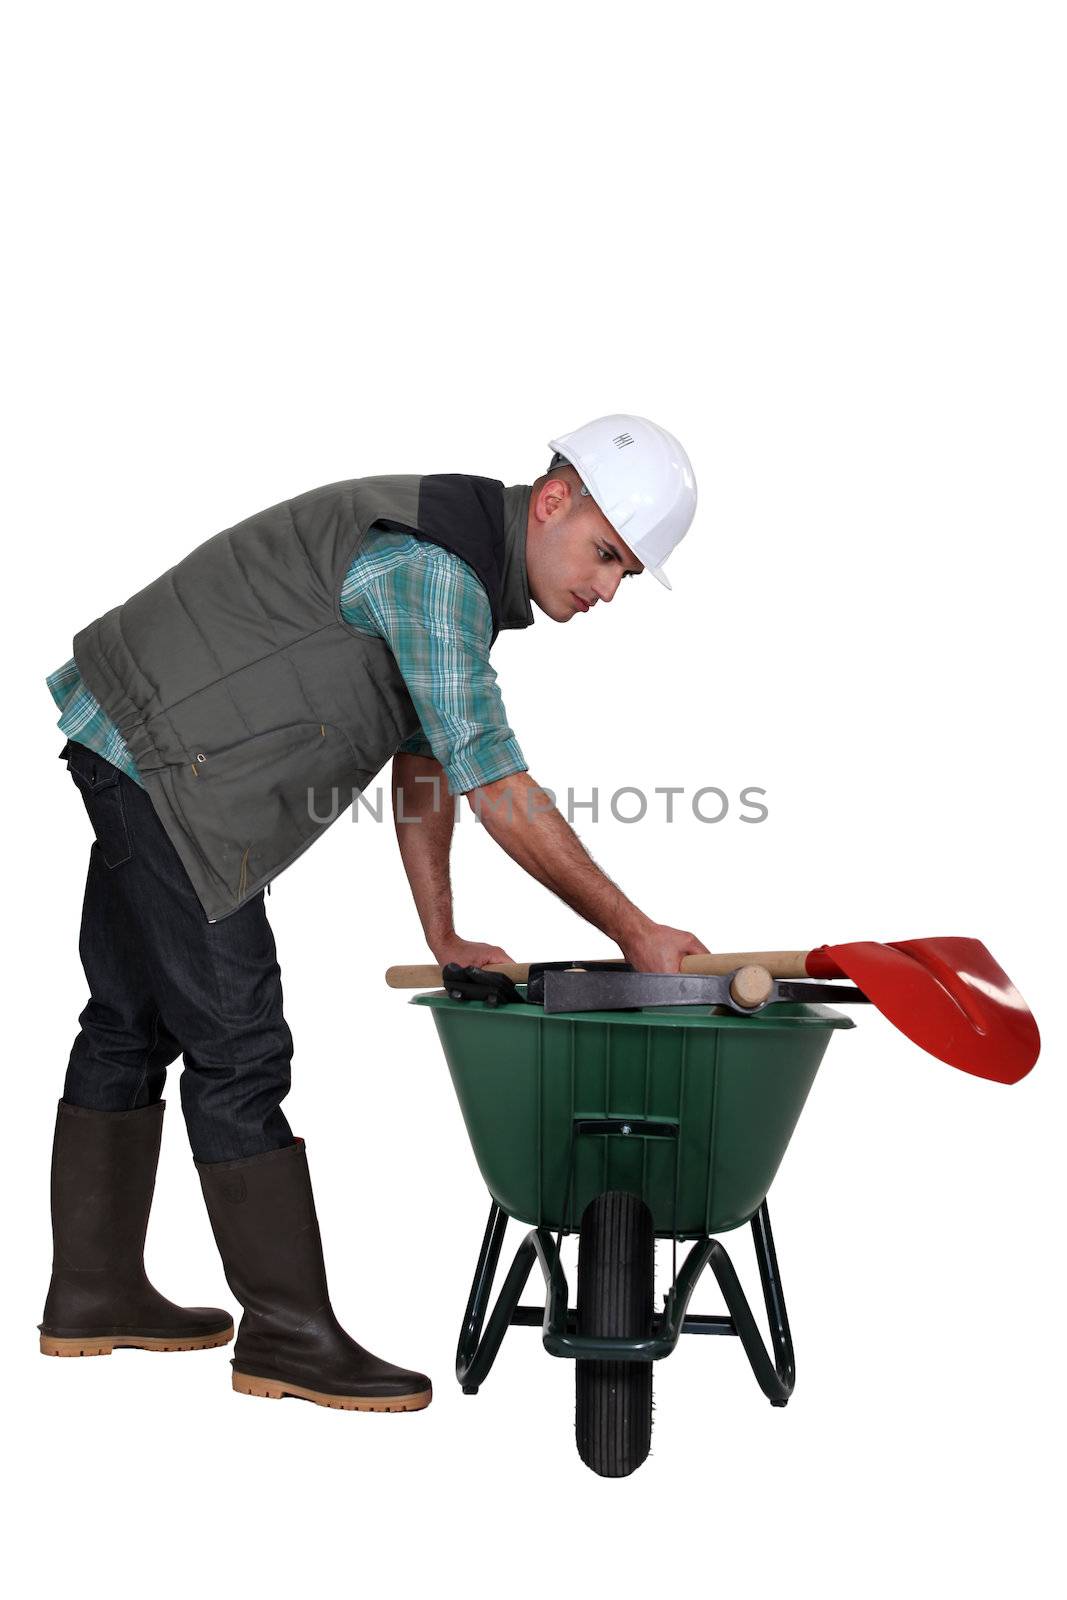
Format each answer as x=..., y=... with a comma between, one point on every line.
x=424, y=814
x=519, y=816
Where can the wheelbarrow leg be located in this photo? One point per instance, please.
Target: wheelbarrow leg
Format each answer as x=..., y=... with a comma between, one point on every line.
x=774, y=1300
x=475, y=1354
x=776, y=1378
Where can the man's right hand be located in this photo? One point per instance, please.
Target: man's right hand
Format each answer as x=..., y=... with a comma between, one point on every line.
x=655, y=947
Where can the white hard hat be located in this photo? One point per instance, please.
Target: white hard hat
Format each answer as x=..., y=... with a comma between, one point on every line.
x=641, y=479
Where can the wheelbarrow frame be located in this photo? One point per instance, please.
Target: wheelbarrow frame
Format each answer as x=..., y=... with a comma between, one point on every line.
x=478, y=1350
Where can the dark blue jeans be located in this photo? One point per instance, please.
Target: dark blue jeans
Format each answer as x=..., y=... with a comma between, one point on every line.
x=165, y=982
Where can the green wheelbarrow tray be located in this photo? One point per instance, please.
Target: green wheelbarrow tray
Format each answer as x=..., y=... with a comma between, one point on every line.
x=691, y=1108
x=674, y=1119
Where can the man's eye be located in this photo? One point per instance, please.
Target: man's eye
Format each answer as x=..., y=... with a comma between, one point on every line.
x=602, y=552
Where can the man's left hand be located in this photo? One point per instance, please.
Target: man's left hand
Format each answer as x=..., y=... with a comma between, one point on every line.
x=468, y=953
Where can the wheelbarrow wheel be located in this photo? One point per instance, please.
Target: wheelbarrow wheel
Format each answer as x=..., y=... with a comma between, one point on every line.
x=616, y=1267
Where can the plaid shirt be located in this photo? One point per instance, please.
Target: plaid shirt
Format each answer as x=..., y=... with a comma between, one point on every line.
x=434, y=615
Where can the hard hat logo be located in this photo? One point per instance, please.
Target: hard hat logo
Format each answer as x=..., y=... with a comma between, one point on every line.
x=641, y=479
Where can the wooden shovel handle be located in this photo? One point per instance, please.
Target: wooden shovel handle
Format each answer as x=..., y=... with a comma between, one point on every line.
x=777, y=963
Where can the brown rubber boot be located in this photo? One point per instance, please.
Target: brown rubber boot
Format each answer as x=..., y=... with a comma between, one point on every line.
x=103, y=1177
x=289, y=1342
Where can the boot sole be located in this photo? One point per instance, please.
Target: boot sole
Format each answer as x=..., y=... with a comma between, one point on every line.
x=274, y=1389
x=104, y=1346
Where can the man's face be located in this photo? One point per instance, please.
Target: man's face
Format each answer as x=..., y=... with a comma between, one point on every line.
x=574, y=557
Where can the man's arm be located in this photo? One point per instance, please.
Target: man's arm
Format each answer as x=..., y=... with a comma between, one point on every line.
x=520, y=817
x=434, y=615
x=424, y=814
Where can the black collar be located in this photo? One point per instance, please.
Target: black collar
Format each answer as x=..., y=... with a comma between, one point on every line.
x=515, y=608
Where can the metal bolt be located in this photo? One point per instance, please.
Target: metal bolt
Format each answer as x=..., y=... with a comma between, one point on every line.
x=626, y=1128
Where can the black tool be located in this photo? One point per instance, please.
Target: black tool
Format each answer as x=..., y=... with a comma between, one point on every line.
x=474, y=983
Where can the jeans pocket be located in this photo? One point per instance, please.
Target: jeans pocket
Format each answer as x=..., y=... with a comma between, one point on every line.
x=97, y=781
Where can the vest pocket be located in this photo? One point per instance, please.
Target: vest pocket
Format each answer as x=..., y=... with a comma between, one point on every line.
x=254, y=805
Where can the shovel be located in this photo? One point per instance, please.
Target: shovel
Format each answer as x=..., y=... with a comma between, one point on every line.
x=947, y=995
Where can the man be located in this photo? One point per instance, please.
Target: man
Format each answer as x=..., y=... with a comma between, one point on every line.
x=212, y=722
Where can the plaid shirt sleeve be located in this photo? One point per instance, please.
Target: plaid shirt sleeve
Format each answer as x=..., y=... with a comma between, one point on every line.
x=83, y=721
x=434, y=615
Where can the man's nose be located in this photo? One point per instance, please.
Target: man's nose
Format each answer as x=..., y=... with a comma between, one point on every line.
x=605, y=586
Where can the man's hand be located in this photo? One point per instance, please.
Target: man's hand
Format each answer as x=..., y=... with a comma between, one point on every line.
x=659, y=948
x=467, y=952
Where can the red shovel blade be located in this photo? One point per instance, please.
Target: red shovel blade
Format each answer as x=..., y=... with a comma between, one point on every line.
x=947, y=995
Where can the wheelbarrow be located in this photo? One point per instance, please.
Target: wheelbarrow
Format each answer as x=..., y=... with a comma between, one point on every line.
x=595, y=1109
x=627, y=1127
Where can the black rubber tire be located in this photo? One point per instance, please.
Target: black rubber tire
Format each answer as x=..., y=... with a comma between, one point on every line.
x=616, y=1268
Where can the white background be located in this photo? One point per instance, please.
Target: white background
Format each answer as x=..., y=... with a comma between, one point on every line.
x=257, y=248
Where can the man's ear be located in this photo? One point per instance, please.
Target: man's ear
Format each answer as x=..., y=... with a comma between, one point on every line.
x=556, y=495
